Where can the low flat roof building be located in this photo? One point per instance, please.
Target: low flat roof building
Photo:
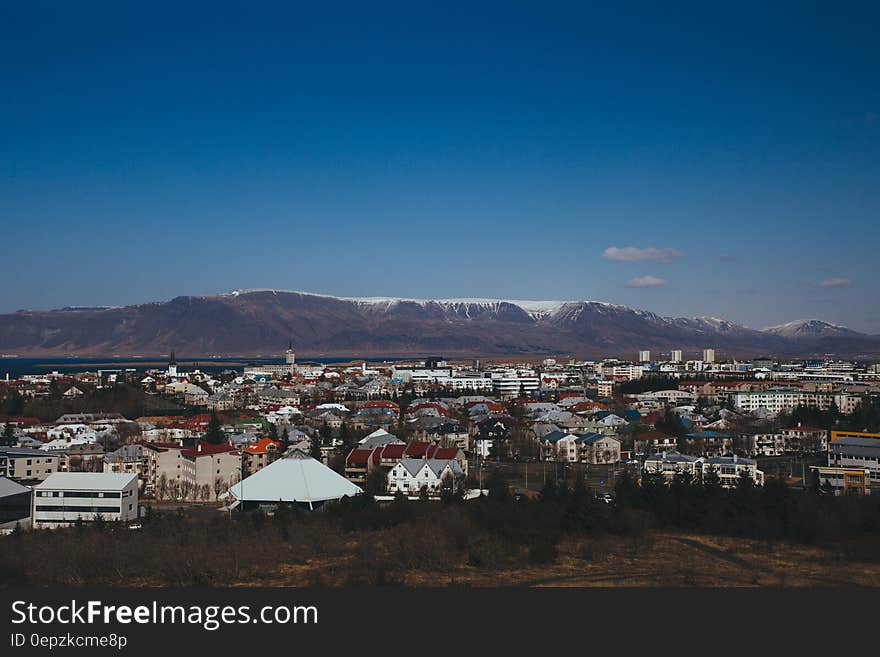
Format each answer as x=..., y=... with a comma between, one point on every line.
x=65, y=497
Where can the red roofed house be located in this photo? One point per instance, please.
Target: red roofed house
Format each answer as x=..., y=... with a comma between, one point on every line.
x=360, y=462
x=210, y=470
x=258, y=455
x=197, y=473
x=358, y=465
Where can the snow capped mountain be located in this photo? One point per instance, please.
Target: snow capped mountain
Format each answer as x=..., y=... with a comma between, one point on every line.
x=255, y=322
x=811, y=329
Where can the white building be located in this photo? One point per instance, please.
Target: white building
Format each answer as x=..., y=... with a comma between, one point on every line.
x=676, y=356
x=776, y=400
x=513, y=383
x=645, y=356
x=708, y=355
x=65, y=497
x=409, y=476
x=727, y=468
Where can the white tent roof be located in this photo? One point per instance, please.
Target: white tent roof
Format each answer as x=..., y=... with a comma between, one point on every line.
x=295, y=478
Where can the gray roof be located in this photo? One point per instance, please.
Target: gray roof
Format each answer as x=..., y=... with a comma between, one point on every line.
x=86, y=481
x=672, y=457
x=590, y=438
x=554, y=436
x=24, y=452
x=295, y=478
x=379, y=438
x=413, y=466
x=9, y=487
x=728, y=460
x=856, y=446
x=124, y=453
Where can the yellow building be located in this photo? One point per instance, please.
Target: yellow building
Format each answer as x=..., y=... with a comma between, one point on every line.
x=842, y=480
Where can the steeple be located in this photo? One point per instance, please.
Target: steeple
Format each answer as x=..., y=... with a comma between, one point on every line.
x=290, y=356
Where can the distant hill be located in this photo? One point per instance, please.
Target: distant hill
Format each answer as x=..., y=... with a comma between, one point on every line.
x=812, y=329
x=261, y=322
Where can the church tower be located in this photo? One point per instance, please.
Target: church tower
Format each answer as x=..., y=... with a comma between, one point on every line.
x=289, y=355
x=172, y=366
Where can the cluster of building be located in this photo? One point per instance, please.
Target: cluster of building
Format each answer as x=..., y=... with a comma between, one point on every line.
x=413, y=427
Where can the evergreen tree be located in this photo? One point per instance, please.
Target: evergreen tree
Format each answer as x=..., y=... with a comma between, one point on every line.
x=315, y=443
x=376, y=483
x=8, y=439
x=214, y=434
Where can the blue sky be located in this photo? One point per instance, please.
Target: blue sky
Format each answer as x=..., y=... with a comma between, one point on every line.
x=692, y=161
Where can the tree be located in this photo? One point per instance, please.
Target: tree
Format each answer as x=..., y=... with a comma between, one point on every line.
x=326, y=434
x=345, y=435
x=8, y=439
x=671, y=424
x=376, y=483
x=315, y=443
x=214, y=434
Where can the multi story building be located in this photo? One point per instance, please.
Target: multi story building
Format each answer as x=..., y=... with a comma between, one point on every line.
x=515, y=383
x=842, y=481
x=729, y=469
x=25, y=464
x=410, y=476
x=258, y=455
x=785, y=398
x=857, y=452
x=209, y=470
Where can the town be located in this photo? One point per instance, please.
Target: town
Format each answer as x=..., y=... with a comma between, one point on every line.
x=303, y=435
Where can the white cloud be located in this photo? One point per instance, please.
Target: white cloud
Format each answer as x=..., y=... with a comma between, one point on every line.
x=635, y=254
x=835, y=282
x=646, y=281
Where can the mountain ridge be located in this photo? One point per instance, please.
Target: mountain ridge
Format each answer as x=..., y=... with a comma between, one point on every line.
x=262, y=321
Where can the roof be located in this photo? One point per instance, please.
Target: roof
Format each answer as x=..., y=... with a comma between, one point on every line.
x=203, y=448
x=358, y=457
x=87, y=481
x=294, y=478
x=262, y=446
x=591, y=438
x=707, y=434
x=9, y=487
x=729, y=460
x=554, y=436
x=672, y=457
x=856, y=446
x=23, y=452
x=413, y=466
